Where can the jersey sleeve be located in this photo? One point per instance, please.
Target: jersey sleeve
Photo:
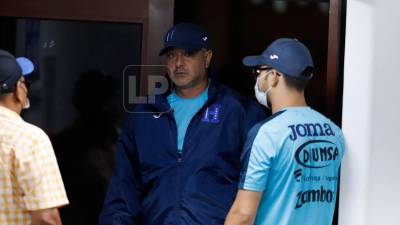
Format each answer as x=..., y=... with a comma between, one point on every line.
x=257, y=158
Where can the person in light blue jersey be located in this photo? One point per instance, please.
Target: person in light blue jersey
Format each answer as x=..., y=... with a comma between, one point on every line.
x=291, y=160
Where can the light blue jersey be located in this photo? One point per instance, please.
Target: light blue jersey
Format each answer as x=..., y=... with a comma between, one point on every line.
x=293, y=157
x=184, y=110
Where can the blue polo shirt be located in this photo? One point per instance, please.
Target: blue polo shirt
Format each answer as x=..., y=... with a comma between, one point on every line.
x=293, y=158
x=184, y=110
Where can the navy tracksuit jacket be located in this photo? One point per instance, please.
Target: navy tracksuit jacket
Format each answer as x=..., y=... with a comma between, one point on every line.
x=154, y=185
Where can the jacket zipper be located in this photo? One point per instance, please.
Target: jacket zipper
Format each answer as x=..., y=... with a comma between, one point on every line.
x=179, y=161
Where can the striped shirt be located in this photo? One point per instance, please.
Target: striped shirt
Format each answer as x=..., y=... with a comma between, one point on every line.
x=29, y=176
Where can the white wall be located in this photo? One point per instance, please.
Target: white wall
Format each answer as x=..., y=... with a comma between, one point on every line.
x=370, y=184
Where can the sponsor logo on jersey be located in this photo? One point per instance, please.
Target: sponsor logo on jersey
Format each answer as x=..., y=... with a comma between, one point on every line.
x=310, y=129
x=317, y=154
x=314, y=196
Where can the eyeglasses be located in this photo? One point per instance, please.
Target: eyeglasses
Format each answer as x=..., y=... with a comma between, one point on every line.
x=256, y=71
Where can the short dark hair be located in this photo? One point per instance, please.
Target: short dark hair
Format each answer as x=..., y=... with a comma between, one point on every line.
x=297, y=84
x=3, y=96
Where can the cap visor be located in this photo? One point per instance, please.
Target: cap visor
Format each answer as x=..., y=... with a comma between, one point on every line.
x=26, y=65
x=187, y=48
x=164, y=50
x=254, y=60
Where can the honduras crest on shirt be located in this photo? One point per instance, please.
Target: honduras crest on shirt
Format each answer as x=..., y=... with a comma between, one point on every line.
x=212, y=114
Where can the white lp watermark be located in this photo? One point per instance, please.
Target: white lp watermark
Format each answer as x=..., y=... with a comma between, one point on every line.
x=141, y=84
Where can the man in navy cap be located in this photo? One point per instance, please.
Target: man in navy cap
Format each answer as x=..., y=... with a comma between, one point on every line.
x=291, y=160
x=181, y=166
x=31, y=187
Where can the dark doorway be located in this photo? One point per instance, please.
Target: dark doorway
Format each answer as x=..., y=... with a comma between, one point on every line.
x=76, y=98
x=80, y=49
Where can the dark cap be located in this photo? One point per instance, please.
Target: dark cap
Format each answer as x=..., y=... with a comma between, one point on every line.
x=288, y=56
x=187, y=36
x=11, y=69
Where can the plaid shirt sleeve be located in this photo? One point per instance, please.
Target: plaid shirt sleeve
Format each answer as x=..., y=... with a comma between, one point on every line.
x=38, y=175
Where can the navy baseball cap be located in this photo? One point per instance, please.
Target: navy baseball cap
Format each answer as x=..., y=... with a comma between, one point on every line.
x=288, y=56
x=11, y=69
x=187, y=36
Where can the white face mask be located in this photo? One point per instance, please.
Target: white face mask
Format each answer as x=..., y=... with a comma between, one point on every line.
x=27, y=104
x=262, y=97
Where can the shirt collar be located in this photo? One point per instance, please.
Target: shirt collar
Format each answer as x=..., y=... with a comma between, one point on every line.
x=8, y=113
x=162, y=105
x=201, y=95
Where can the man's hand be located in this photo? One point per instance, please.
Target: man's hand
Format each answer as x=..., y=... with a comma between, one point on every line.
x=244, y=209
x=46, y=217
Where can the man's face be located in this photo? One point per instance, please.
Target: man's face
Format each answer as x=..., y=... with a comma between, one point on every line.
x=188, y=69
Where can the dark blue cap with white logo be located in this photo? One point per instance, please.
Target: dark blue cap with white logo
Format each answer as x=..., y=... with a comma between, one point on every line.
x=187, y=36
x=11, y=69
x=288, y=56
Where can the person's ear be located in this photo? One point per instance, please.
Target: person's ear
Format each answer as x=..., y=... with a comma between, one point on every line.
x=208, y=56
x=20, y=92
x=275, y=77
